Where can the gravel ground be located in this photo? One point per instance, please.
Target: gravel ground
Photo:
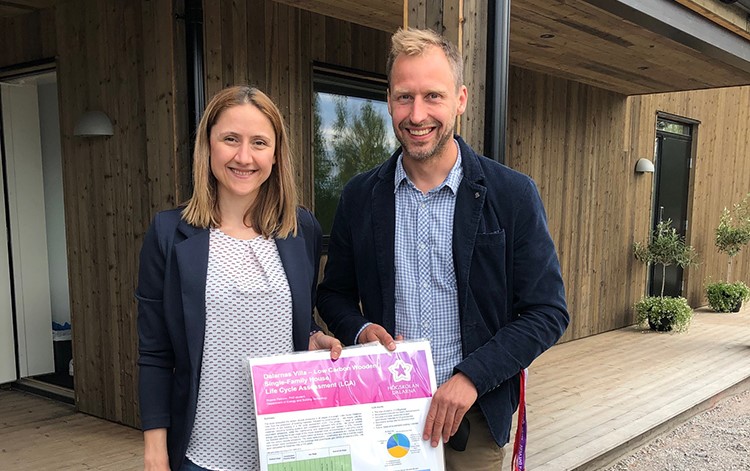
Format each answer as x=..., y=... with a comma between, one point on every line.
x=717, y=439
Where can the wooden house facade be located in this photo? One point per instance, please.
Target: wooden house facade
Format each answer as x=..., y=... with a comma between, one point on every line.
x=588, y=82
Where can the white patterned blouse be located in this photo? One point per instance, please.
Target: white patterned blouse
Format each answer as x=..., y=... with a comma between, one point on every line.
x=248, y=312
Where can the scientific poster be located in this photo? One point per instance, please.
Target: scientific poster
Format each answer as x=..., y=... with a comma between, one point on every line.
x=365, y=411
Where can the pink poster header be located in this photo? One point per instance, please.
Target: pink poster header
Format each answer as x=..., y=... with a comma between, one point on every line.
x=364, y=379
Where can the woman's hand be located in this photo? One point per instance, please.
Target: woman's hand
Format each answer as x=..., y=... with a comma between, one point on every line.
x=155, y=457
x=321, y=341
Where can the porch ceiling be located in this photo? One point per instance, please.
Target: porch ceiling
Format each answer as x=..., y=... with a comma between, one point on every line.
x=627, y=46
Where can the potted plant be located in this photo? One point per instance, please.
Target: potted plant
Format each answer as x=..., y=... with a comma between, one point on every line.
x=727, y=297
x=664, y=313
x=666, y=247
x=732, y=234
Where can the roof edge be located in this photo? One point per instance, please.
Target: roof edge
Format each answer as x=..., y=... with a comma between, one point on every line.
x=684, y=26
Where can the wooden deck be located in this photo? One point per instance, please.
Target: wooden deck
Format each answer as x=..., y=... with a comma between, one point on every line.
x=589, y=401
x=41, y=434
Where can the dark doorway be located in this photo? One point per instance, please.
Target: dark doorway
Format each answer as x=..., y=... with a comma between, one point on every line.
x=673, y=162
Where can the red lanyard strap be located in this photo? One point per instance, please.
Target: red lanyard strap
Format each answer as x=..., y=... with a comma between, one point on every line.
x=519, y=446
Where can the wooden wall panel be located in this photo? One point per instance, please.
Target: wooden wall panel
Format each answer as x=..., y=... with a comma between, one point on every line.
x=465, y=24
x=570, y=138
x=127, y=59
x=427, y=14
x=278, y=44
x=114, y=185
x=580, y=144
x=384, y=15
x=473, y=45
x=721, y=170
x=27, y=38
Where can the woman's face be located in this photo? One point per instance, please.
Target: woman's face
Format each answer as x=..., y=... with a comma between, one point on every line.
x=243, y=145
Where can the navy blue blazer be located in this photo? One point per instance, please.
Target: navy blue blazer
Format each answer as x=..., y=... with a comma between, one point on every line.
x=172, y=316
x=510, y=290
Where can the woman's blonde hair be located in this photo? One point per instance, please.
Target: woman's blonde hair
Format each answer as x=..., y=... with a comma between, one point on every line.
x=273, y=214
x=415, y=42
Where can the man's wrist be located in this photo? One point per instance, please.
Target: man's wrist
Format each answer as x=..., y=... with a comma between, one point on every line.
x=362, y=329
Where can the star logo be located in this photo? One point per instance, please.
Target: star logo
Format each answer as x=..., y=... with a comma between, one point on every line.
x=401, y=371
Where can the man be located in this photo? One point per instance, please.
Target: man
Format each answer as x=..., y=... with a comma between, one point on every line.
x=441, y=243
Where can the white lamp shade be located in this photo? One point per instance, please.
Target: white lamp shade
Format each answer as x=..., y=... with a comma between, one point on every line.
x=93, y=123
x=644, y=166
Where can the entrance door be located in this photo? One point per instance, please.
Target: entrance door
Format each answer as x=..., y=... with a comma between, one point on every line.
x=34, y=229
x=673, y=162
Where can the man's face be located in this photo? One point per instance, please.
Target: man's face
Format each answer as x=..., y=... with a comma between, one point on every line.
x=424, y=102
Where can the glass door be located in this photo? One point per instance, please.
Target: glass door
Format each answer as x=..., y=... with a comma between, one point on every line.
x=35, y=229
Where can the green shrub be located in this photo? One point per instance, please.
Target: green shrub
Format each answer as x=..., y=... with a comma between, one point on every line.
x=665, y=247
x=727, y=297
x=664, y=313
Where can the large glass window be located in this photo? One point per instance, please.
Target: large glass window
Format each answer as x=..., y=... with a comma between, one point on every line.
x=351, y=133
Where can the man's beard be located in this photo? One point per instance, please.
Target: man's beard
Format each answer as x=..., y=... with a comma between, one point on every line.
x=426, y=154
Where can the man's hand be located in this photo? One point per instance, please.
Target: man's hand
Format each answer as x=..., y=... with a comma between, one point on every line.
x=321, y=341
x=448, y=407
x=375, y=332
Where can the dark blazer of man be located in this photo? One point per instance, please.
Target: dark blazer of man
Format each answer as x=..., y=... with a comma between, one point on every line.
x=510, y=291
x=172, y=316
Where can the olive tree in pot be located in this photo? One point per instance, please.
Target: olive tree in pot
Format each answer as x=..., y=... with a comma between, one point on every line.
x=732, y=234
x=665, y=247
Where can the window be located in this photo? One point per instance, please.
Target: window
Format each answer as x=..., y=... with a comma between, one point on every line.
x=674, y=127
x=351, y=133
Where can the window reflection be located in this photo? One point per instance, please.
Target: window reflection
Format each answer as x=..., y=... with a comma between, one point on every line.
x=351, y=133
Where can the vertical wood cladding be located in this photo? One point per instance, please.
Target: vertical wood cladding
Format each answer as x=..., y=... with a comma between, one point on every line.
x=581, y=143
x=570, y=138
x=465, y=24
x=123, y=58
x=273, y=46
x=721, y=171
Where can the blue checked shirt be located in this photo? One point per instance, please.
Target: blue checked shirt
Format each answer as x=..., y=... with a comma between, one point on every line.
x=426, y=291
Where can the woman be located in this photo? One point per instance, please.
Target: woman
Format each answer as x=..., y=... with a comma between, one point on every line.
x=231, y=274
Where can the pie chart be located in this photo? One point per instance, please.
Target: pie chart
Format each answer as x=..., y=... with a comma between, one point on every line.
x=398, y=445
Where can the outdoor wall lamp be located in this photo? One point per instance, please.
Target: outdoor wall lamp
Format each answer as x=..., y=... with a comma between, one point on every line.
x=93, y=123
x=644, y=166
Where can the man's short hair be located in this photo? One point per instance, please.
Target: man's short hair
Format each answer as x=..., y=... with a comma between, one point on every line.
x=415, y=42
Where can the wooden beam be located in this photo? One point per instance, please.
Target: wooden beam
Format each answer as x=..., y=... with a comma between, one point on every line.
x=730, y=17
